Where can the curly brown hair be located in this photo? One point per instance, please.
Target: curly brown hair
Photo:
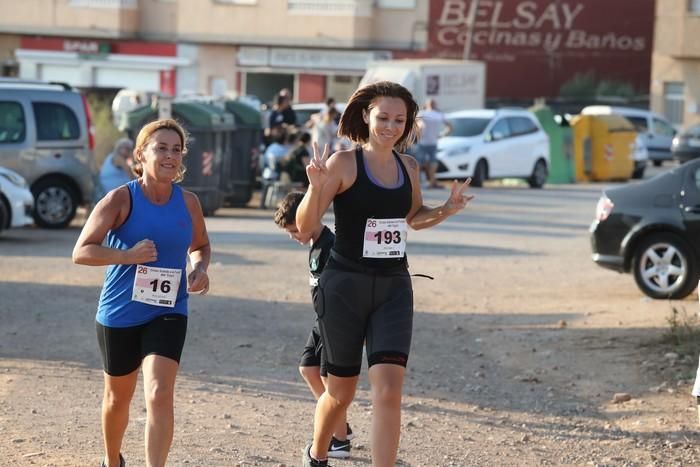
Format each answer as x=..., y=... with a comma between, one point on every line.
x=287, y=211
x=352, y=124
x=144, y=136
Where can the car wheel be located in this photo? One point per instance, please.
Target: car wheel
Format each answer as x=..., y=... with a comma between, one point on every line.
x=539, y=175
x=664, y=267
x=481, y=174
x=657, y=163
x=55, y=203
x=4, y=215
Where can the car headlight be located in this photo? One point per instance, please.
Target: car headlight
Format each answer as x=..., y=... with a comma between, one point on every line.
x=457, y=151
x=15, y=179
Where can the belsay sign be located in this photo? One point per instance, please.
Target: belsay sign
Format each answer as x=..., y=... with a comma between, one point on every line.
x=533, y=46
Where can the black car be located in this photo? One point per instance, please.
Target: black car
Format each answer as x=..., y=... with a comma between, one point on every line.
x=652, y=230
x=686, y=145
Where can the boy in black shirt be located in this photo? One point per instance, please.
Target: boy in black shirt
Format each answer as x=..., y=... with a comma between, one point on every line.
x=312, y=365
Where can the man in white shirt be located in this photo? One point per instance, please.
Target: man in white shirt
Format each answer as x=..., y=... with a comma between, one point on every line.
x=433, y=125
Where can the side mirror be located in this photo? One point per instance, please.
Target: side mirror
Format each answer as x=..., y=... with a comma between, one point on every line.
x=496, y=135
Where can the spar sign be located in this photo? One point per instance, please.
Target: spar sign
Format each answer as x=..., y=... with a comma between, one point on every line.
x=545, y=42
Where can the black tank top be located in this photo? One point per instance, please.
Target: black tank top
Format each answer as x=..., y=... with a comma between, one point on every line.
x=366, y=199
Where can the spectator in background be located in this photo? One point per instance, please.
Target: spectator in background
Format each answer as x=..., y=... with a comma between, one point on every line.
x=116, y=168
x=297, y=160
x=279, y=115
x=289, y=115
x=432, y=124
x=325, y=130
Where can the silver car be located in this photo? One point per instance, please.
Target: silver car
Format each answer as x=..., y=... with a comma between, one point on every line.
x=46, y=137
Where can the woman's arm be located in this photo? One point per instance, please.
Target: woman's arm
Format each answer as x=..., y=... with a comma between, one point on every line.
x=422, y=216
x=200, y=249
x=325, y=181
x=109, y=213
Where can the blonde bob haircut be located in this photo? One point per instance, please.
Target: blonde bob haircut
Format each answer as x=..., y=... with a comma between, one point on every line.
x=352, y=124
x=144, y=137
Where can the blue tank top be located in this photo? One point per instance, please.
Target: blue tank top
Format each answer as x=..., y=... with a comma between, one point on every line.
x=170, y=227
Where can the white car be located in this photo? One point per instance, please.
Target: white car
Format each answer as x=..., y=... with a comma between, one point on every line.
x=490, y=144
x=640, y=155
x=16, y=201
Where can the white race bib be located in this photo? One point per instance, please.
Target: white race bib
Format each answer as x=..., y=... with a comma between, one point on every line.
x=385, y=238
x=156, y=286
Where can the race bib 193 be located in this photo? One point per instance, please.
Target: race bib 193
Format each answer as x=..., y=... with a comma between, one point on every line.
x=156, y=286
x=385, y=238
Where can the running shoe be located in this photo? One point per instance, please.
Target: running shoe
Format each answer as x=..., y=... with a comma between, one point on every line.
x=308, y=461
x=350, y=434
x=122, y=462
x=339, y=449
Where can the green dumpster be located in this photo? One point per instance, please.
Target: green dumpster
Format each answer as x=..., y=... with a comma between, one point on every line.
x=238, y=174
x=562, y=168
x=209, y=128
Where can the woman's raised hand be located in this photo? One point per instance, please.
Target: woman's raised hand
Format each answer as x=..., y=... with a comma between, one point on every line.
x=457, y=200
x=317, y=170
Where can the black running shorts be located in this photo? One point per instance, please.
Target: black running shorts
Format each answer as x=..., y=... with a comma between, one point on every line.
x=312, y=355
x=355, y=304
x=123, y=349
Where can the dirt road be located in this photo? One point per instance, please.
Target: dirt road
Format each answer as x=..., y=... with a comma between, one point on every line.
x=520, y=344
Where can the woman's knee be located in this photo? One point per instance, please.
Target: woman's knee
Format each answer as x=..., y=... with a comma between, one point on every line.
x=160, y=396
x=115, y=399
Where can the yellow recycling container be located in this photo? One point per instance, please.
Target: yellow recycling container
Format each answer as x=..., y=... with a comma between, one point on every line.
x=603, y=147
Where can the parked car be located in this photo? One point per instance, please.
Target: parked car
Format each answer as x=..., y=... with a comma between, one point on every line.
x=686, y=145
x=491, y=144
x=46, y=136
x=16, y=201
x=640, y=154
x=655, y=128
x=651, y=229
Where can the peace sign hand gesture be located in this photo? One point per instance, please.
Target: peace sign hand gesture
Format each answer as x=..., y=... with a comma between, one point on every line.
x=457, y=200
x=317, y=170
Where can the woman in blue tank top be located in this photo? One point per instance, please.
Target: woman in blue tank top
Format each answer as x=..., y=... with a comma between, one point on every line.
x=365, y=289
x=152, y=227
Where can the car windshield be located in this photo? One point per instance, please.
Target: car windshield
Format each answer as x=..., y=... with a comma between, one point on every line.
x=468, y=126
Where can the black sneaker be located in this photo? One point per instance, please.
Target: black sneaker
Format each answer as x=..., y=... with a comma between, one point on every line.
x=308, y=461
x=339, y=449
x=350, y=434
x=122, y=462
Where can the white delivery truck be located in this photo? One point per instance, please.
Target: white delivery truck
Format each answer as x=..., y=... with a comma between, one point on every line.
x=453, y=84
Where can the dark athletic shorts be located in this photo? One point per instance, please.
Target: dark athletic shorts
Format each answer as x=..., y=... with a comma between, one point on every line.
x=123, y=349
x=312, y=355
x=355, y=304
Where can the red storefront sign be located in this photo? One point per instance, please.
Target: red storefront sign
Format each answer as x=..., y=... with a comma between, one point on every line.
x=532, y=47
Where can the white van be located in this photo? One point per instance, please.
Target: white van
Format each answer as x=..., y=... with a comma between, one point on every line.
x=656, y=130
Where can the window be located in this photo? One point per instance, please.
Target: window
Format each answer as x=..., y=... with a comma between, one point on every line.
x=12, y=126
x=238, y=2
x=109, y=4
x=522, y=126
x=662, y=128
x=673, y=102
x=694, y=6
x=55, y=122
x=468, y=126
x=501, y=130
x=397, y=4
x=640, y=123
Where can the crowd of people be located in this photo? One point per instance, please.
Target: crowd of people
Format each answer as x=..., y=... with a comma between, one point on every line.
x=156, y=233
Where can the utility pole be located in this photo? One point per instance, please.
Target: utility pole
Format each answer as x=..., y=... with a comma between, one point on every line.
x=471, y=20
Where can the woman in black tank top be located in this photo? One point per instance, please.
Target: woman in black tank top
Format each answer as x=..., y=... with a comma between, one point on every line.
x=376, y=195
